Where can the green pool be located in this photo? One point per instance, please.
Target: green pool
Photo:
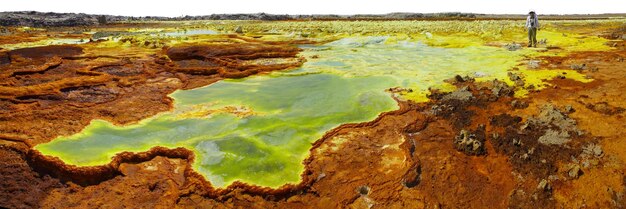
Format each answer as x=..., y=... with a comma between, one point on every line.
x=259, y=129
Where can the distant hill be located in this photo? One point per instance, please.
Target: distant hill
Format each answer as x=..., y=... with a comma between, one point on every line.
x=50, y=19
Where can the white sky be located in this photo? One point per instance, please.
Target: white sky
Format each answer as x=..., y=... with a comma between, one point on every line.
x=173, y=8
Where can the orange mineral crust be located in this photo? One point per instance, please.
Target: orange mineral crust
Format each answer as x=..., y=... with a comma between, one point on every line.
x=480, y=145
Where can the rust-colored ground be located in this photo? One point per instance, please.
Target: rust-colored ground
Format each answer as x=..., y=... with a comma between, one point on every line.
x=479, y=152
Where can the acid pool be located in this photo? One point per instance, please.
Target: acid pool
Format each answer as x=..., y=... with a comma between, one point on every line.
x=259, y=129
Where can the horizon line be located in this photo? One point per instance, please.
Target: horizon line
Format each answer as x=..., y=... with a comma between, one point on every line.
x=318, y=14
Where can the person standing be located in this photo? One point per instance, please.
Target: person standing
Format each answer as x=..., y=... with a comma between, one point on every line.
x=532, y=23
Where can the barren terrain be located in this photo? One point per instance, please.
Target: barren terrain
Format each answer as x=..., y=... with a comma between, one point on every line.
x=560, y=144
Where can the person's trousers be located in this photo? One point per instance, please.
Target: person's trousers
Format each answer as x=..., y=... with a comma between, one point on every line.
x=532, y=37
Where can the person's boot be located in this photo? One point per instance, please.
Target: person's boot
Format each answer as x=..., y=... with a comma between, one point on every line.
x=530, y=45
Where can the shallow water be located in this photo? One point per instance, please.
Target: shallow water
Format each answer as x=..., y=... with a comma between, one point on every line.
x=47, y=42
x=188, y=32
x=259, y=129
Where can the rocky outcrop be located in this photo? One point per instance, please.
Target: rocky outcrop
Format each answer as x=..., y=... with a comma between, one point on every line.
x=228, y=60
x=471, y=143
x=561, y=127
x=39, y=19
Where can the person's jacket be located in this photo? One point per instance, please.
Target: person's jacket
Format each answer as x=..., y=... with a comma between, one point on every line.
x=532, y=22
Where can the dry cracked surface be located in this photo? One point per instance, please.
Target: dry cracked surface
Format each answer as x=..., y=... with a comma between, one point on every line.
x=478, y=147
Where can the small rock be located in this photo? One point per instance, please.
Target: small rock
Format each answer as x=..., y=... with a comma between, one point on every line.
x=459, y=78
x=321, y=176
x=513, y=46
x=516, y=78
x=479, y=74
x=501, y=89
x=470, y=143
x=552, y=137
x=543, y=185
x=525, y=126
x=553, y=177
x=428, y=35
x=525, y=156
x=594, y=162
x=569, y=109
x=462, y=79
x=238, y=29
x=592, y=150
x=586, y=164
x=543, y=41
x=363, y=190
x=597, y=151
x=574, y=171
x=462, y=94
x=578, y=66
x=533, y=64
x=517, y=104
